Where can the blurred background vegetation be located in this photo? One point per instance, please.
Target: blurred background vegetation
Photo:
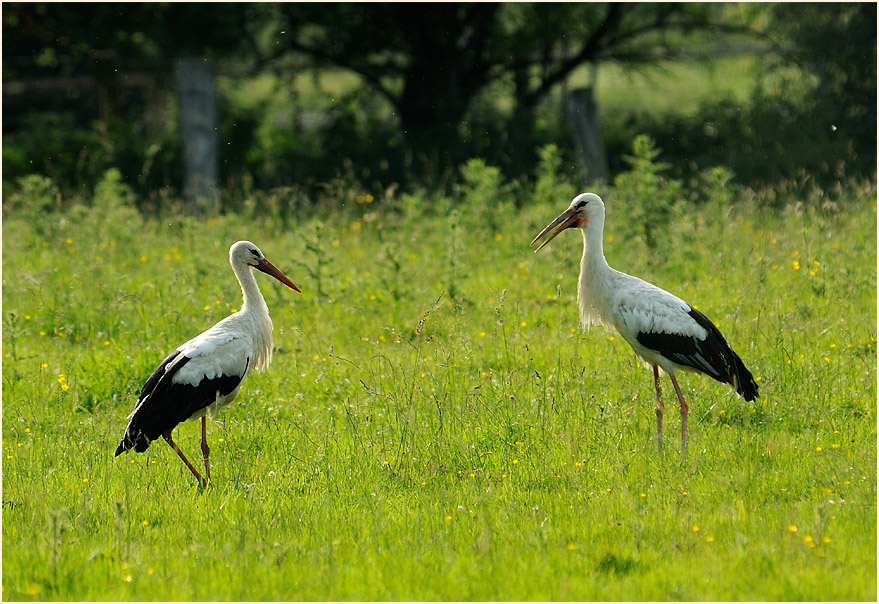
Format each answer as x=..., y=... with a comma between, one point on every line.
x=394, y=97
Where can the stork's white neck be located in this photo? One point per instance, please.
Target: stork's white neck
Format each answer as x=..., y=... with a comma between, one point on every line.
x=594, y=274
x=253, y=299
x=255, y=312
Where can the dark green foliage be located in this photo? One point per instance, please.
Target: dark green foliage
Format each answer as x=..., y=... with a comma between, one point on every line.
x=617, y=565
x=839, y=46
x=88, y=88
x=767, y=140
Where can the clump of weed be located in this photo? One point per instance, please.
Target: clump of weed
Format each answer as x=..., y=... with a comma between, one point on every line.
x=112, y=193
x=319, y=259
x=34, y=194
x=613, y=564
x=485, y=193
x=550, y=185
x=652, y=200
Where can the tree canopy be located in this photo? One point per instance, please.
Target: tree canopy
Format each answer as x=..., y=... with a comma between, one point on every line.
x=438, y=69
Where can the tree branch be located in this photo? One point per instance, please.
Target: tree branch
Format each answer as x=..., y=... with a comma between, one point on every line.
x=370, y=76
x=590, y=49
x=606, y=38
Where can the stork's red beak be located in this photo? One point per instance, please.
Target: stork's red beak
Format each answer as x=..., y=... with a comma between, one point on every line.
x=270, y=269
x=566, y=220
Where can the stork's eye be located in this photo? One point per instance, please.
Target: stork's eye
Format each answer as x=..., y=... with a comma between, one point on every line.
x=254, y=252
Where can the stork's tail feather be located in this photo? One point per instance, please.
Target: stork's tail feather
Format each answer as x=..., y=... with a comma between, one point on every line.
x=742, y=380
x=138, y=441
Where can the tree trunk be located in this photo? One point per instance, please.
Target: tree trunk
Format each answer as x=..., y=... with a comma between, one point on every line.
x=447, y=70
x=583, y=118
x=195, y=87
x=432, y=107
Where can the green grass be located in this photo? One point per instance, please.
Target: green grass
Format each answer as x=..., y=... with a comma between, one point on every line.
x=433, y=426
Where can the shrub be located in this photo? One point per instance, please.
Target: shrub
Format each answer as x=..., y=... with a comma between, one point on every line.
x=111, y=192
x=652, y=200
x=35, y=194
x=551, y=185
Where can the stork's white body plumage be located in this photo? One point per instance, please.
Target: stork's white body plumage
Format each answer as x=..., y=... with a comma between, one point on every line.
x=663, y=330
x=631, y=305
x=233, y=347
x=206, y=372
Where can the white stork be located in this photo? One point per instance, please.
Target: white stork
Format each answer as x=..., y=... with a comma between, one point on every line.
x=206, y=372
x=666, y=332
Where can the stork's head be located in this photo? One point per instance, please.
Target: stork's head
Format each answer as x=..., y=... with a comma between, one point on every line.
x=246, y=253
x=584, y=208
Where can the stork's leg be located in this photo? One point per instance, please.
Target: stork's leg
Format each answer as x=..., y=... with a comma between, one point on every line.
x=659, y=406
x=205, y=450
x=684, y=410
x=167, y=436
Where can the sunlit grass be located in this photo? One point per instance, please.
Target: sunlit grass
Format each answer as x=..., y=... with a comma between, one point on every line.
x=674, y=87
x=433, y=426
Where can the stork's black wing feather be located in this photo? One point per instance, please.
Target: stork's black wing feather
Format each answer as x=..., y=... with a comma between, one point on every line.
x=163, y=404
x=151, y=383
x=712, y=356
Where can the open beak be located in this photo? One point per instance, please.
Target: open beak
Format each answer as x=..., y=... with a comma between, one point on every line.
x=270, y=269
x=566, y=220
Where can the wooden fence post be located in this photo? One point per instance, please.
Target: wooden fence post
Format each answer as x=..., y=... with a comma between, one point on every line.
x=195, y=86
x=583, y=118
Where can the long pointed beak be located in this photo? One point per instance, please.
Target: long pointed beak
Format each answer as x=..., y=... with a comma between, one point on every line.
x=566, y=220
x=270, y=269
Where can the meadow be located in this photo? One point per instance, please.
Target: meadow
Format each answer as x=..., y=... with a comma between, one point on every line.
x=434, y=425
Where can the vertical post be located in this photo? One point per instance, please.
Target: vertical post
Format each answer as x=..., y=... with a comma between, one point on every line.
x=195, y=85
x=583, y=118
